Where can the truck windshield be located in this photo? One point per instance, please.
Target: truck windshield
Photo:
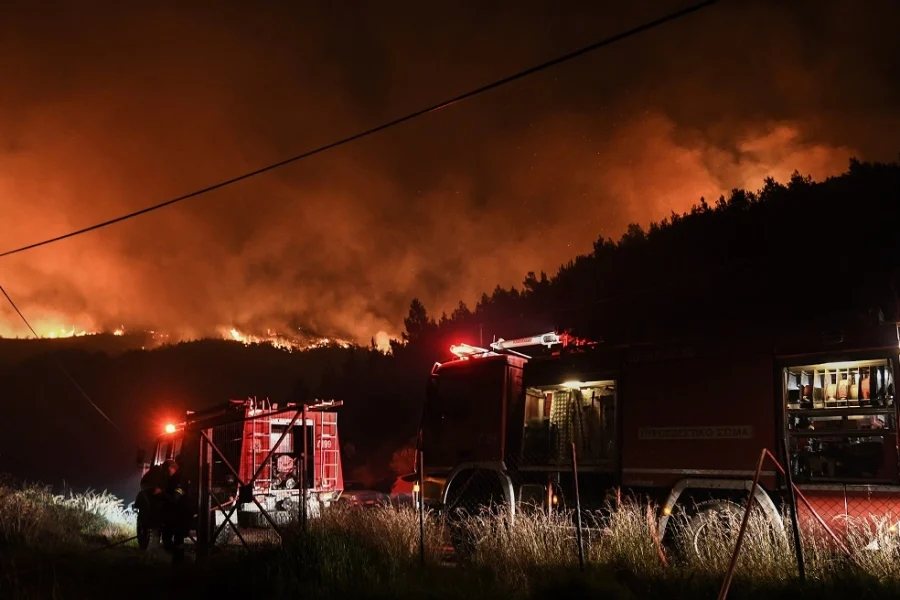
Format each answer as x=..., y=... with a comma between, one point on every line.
x=168, y=446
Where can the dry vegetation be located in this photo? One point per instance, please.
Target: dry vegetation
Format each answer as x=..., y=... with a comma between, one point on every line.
x=34, y=519
x=375, y=553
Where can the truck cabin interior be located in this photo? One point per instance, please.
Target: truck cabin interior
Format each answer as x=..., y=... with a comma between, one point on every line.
x=560, y=414
x=571, y=398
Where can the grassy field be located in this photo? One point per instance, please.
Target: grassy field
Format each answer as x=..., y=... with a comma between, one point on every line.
x=51, y=546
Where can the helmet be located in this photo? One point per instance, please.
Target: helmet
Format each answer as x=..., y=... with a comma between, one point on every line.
x=168, y=464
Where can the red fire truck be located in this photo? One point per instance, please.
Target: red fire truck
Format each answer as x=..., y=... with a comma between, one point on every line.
x=683, y=423
x=245, y=458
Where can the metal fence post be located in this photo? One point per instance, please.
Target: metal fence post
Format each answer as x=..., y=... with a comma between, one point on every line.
x=421, y=507
x=303, y=471
x=204, y=510
x=795, y=523
x=577, y=509
x=723, y=591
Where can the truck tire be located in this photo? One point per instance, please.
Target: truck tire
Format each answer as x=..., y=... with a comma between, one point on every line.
x=470, y=493
x=473, y=491
x=713, y=520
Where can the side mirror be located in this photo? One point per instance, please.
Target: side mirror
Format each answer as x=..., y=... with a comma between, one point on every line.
x=141, y=458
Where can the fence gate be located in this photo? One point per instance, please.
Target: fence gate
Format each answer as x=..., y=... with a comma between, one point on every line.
x=253, y=477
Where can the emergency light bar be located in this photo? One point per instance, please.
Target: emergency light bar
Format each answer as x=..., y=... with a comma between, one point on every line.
x=465, y=350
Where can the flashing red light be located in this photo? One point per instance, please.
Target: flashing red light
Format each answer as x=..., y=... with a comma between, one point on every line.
x=170, y=428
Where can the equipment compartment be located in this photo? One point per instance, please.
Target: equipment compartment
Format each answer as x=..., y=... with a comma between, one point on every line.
x=841, y=421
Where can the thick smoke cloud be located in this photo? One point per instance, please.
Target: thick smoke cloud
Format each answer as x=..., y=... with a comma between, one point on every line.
x=109, y=110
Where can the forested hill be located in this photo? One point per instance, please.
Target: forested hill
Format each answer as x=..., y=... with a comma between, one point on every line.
x=799, y=251
x=795, y=252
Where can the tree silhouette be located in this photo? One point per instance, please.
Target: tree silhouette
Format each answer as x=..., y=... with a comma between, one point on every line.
x=417, y=323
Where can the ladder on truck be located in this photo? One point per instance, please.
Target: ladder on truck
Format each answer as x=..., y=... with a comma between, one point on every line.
x=329, y=453
x=260, y=446
x=508, y=346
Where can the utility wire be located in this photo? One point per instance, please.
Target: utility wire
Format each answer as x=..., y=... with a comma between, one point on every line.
x=464, y=96
x=59, y=365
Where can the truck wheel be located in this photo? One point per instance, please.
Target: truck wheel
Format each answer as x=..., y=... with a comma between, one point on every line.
x=470, y=493
x=714, y=521
x=473, y=491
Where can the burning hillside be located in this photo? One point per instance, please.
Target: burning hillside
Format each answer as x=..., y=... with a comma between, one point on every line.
x=148, y=339
x=289, y=343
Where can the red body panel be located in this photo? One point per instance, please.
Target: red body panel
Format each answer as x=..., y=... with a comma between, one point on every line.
x=708, y=416
x=468, y=412
x=259, y=436
x=845, y=508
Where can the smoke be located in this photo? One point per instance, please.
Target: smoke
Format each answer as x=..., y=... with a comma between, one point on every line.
x=443, y=208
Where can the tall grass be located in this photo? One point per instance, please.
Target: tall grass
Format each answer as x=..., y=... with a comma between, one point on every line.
x=622, y=540
x=347, y=546
x=375, y=553
x=34, y=519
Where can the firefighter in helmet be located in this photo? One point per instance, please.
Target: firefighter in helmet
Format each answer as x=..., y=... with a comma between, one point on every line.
x=175, y=527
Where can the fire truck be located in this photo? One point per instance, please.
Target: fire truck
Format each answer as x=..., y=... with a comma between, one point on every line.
x=246, y=459
x=683, y=423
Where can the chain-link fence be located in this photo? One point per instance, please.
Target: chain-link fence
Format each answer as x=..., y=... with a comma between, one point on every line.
x=860, y=514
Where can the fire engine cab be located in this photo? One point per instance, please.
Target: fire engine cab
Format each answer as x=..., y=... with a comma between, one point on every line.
x=246, y=459
x=682, y=423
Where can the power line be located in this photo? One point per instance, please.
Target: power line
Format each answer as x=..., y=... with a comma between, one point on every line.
x=464, y=96
x=59, y=365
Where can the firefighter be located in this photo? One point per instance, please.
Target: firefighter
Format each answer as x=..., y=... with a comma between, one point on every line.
x=175, y=527
x=149, y=504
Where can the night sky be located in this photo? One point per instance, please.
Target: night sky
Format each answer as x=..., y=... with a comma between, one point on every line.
x=108, y=107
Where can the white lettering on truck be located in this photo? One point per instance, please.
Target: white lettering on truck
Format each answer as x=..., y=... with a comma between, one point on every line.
x=707, y=432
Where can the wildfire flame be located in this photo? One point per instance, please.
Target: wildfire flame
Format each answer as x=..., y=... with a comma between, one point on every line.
x=67, y=333
x=282, y=342
x=289, y=343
